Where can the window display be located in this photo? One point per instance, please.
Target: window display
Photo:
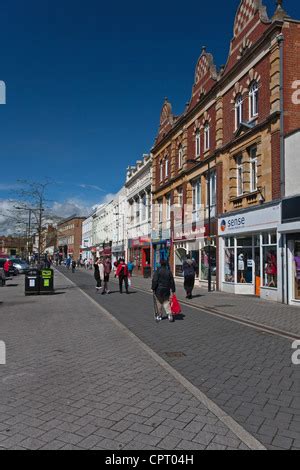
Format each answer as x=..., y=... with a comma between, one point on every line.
x=229, y=272
x=297, y=270
x=270, y=260
x=245, y=265
x=205, y=265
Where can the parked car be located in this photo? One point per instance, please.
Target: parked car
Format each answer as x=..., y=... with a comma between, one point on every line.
x=12, y=270
x=22, y=267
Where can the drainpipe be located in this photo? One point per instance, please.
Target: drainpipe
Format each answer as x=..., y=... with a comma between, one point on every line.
x=280, y=40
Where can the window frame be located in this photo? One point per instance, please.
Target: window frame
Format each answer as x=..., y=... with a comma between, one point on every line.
x=180, y=157
x=239, y=108
x=198, y=143
x=253, y=164
x=197, y=199
x=240, y=176
x=253, y=100
x=206, y=136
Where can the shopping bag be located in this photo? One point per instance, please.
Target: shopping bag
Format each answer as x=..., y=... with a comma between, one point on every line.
x=175, y=305
x=129, y=282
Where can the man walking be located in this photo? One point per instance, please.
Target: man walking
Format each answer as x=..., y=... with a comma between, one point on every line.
x=162, y=285
x=122, y=273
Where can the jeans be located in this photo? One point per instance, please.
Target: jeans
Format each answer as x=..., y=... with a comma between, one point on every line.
x=125, y=279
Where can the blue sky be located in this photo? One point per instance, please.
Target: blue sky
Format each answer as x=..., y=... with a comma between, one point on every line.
x=86, y=81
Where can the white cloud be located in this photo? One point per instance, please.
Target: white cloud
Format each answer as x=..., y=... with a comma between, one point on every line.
x=91, y=186
x=58, y=210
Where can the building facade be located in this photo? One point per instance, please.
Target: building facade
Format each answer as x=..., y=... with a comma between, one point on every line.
x=69, y=237
x=219, y=169
x=119, y=226
x=138, y=191
x=87, y=237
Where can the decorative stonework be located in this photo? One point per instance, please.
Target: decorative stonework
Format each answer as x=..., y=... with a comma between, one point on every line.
x=206, y=118
x=238, y=90
x=253, y=76
x=244, y=48
x=166, y=112
x=197, y=126
x=205, y=65
x=246, y=13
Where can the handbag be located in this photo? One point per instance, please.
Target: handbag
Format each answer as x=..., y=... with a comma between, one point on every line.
x=175, y=305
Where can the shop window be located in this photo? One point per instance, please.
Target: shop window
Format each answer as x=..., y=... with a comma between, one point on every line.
x=245, y=265
x=204, y=264
x=229, y=242
x=229, y=265
x=297, y=270
x=180, y=256
x=269, y=260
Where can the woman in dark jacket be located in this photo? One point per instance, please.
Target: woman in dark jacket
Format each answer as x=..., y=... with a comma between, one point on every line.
x=97, y=274
x=163, y=285
x=189, y=270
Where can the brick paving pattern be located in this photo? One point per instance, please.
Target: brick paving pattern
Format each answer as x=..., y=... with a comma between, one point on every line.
x=248, y=373
x=74, y=380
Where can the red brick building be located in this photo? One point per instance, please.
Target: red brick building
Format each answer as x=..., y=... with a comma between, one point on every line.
x=218, y=169
x=69, y=237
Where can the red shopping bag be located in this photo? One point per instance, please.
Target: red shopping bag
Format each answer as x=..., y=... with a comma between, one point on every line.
x=175, y=306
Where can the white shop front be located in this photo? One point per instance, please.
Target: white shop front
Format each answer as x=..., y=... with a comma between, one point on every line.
x=249, y=255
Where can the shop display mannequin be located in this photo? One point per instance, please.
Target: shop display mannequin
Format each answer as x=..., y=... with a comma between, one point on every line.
x=241, y=268
x=271, y=268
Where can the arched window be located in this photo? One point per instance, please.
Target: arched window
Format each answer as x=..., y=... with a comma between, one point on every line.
x=180, y=156
x=206, y=136
x=253, y=99
x=197, y=143
x=238, y=111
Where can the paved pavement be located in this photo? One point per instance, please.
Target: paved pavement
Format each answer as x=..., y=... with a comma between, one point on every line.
x=269, y=314
x=248, y=373
x=75, y=380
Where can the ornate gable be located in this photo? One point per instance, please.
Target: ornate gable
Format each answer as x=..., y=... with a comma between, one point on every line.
x=245, y=14
x=166, y=115
x=204, y=67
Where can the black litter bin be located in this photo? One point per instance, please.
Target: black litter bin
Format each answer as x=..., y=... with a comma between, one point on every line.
x=32, y=282
x=46, y=281
x=147, y=272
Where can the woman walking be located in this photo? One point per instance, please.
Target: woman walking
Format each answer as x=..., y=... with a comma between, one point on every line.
x=189, y=270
